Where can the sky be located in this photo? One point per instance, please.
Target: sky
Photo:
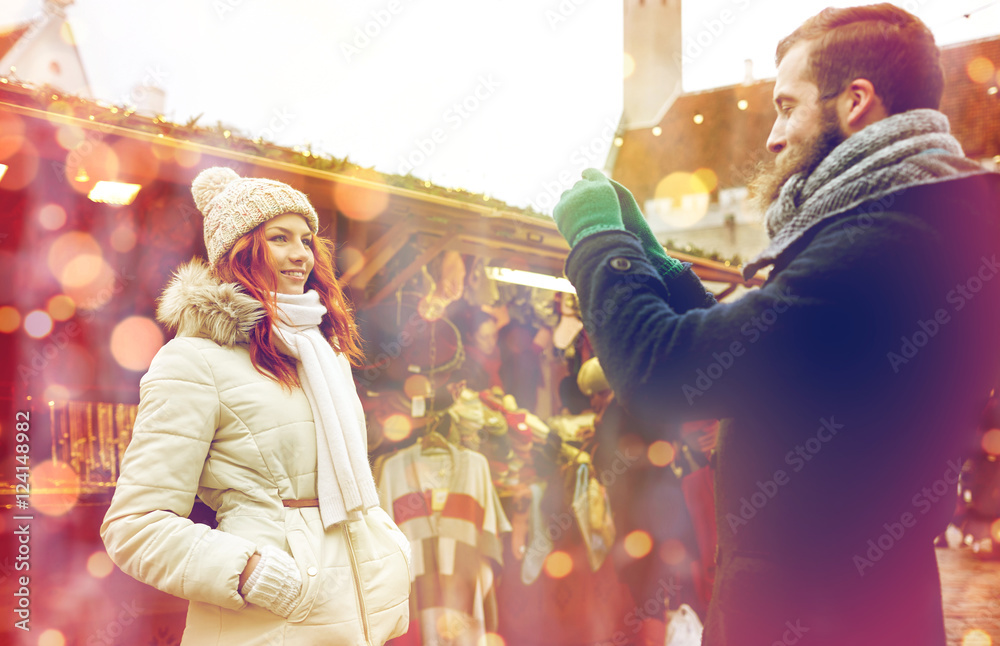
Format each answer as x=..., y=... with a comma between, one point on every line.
x=495, y=96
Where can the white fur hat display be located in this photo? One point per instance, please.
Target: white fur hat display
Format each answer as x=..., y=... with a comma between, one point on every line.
x=233, y=206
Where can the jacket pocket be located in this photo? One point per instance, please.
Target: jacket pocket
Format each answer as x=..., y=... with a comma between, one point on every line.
x=309, y=569
x=384, y=573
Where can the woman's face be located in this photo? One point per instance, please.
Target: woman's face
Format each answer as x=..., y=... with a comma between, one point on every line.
x=291, y=244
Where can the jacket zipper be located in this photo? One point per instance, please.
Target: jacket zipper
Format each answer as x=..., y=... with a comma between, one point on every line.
x=357, y=585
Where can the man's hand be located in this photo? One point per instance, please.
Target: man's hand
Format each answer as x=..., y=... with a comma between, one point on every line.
x=635, y=222
x=589, y=207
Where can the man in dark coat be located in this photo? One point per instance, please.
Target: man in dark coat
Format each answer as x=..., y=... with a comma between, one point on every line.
x=855, y=375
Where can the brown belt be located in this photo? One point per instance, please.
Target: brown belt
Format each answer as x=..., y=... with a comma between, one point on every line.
x=312, y=502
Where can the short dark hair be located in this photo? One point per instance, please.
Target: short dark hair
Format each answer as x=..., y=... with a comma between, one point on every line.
x=882, y=43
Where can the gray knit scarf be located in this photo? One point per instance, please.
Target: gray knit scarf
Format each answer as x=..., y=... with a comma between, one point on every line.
x=889, y=156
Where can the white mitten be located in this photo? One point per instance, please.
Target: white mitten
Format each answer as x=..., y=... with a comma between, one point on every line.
x=275, y=583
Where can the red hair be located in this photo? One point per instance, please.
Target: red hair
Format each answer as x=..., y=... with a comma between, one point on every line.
x=250, y=264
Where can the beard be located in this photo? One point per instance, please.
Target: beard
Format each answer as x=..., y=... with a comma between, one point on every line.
x=769, y=178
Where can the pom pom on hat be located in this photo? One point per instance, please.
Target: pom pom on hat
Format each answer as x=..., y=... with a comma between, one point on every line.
x=234, y=206
x=209, y=183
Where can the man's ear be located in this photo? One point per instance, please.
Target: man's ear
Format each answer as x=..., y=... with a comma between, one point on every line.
x=859, y=106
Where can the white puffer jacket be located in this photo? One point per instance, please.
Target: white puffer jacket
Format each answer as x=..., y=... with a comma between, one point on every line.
x=209, y=424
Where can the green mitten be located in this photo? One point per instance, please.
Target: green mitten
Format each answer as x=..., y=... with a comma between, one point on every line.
x=635, y=222
x=589, y=207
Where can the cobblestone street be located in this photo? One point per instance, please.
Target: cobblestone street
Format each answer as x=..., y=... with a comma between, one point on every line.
x=971, y=588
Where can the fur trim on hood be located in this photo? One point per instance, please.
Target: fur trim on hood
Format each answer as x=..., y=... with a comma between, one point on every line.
x=195, y=303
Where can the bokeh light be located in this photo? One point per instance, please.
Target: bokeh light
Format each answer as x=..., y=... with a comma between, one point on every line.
x=688, y=197
x=56, y=393
x=417, y=386
x=38, y=324
x=491, y=639
x=672, y=551
x=11, y=134
x=397, y=428
x=88, y=163
x=67, y=248
x=163, y=153
x=99, y=565
x=52, y=216
x=69, y=137
x=977, y=637
x=709, y=180
x=123, y=238
x=51, y=636
x=23, y=168
x=187, y=158
x=55, y=488
x=61, y=307
x=136, y=156
x=629, y=66
x=638, y=544
x=97, y=293
x=58, y=106
x=82, y=270
x=742, y=104
x=991, y=441
x=135, y=341
x=558, y=564
x=995, y=530
x=350, y=259
x=980, y=69
x=360, y=202
x=10, y=319
x=660, y=453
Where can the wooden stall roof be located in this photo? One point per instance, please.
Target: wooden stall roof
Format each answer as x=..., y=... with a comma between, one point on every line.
x=433, y=218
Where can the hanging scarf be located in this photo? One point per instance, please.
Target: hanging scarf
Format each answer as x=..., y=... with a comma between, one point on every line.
x=344, y=481
x=905, y=150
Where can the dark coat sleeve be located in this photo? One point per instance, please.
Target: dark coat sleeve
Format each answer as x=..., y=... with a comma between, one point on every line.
x=828, y=307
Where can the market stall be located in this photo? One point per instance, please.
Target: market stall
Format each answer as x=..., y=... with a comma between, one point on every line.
x=482, y=439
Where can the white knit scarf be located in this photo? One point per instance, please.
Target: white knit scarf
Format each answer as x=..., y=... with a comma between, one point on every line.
x=889, y=156
x=344, y=481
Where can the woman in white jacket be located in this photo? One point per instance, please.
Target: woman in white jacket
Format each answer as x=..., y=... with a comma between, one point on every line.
x=253, y=409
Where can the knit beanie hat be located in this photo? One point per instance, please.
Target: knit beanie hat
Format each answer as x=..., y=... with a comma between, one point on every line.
x=234, y=206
